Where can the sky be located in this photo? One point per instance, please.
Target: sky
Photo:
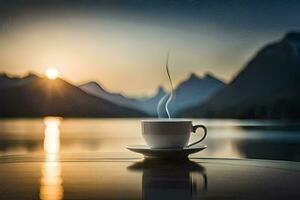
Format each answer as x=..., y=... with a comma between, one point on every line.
x=123, y=44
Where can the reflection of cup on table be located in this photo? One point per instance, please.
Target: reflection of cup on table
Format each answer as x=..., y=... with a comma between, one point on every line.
x=171, y=180
x=170, y=133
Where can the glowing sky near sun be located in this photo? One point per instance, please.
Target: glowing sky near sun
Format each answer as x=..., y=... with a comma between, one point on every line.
x=125, y=48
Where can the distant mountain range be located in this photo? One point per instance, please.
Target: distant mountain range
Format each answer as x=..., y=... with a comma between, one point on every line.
x=188, y=93
x=149, y=104
x=33, y=96
x=267, y=87
x=193, y=91
x=8, y=81
x=146, y=104
x=97, y=90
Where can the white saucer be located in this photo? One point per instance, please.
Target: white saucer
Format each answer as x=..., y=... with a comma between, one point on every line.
x=181, y=153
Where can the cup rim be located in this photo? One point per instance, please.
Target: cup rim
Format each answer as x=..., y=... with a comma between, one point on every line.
x=166, y=120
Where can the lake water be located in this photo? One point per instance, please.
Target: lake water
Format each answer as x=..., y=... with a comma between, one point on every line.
x=226, y=138
x=56, y=159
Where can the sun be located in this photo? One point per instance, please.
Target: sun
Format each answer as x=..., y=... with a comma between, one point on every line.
x=51, y=73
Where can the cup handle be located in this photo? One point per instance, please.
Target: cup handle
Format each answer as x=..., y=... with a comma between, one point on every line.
x=194, y=129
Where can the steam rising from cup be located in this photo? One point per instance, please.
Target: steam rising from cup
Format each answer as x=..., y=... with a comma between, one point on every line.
x=170, y=96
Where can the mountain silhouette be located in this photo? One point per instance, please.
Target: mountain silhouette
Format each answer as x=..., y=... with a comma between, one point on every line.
x=187, y=93
x=7, y=81
x=149, y=104
x=44, y=97
x=94, y=88
x=146, y=104
x=267, y=87
x=193, y=91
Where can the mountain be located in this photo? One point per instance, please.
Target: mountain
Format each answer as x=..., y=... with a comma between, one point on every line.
x=44, y=97
x=267, y=87
x=146, y=104
x=7, y=81
x=193, y=91
x=188, y=93
x=97, y=90
x=149, y=104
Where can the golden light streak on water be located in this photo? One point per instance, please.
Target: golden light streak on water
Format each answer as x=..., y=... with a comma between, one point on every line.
x=52, y=134
x=51, y=187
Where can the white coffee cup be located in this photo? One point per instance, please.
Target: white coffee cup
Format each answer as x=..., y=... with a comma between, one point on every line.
x=169, y=133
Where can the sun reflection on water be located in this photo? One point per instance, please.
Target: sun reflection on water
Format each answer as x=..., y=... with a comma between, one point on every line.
x=51, y=187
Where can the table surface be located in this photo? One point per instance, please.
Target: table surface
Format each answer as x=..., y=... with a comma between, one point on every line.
x=98, y=176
